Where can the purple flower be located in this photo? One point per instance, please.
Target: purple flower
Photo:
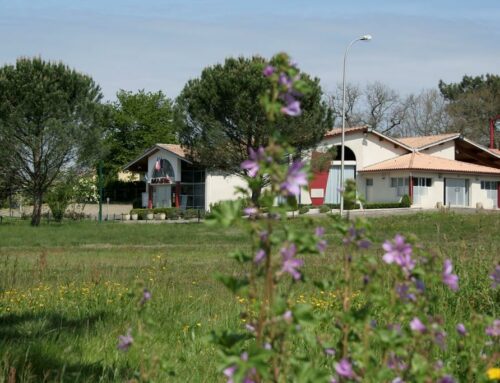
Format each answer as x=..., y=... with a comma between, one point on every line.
x=397, y=380
x=244, y=356
x=260, y=255
x=404, y=294
x=440, y=339
x=344, y=368
x=446, y=379
x=285, y=81
x=321, y=246
x=295, y=178
x=252, y=164
x=494, y=330
x=329, y=351
x=394, y=362
x=263, y=236
x=356, y=236
x=291, y=264
x=461, y=329
x=495, y=277
x=250, y=328
x=288, y=316
x=449, y=279
x=250, y=211
x=146, y=296
x=319, y=231
x=229, y=373
x=399, y=252
x=125, y=341
x=268, y=71
x=267, y=346
x=417, y=325
x=292, y=109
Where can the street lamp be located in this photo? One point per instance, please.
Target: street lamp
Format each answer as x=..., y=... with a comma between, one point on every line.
x=342, y=150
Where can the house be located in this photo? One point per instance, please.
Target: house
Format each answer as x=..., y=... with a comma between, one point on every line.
x=172, y=180
x=446, y=169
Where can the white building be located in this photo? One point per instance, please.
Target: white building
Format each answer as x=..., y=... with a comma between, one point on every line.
x=446, y=169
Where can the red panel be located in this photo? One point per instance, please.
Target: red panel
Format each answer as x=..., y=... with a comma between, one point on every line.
x=318, y=182
x=178, y=194
x=150, y=197
x=410, y=191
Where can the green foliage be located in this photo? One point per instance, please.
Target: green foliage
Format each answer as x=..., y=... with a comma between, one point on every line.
x=304, y=209
x=321, y=160
x=472, y=102
x=324, y=209
x=350, y=195
x=59, y=198
x=406, y=201
x=49, y=115
x=220, y=115
x=137, y=121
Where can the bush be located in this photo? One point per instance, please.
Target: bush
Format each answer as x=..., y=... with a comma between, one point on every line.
x=324, y=209
x=141, y=213
x=172, y=213
x=304, y=209
x=59, y=199
x=191, y=213
x=405, y=201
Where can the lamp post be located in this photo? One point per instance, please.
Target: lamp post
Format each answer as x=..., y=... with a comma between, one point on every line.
x=342, y=150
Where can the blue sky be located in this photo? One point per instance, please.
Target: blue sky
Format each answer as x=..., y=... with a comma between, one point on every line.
x=153, y=44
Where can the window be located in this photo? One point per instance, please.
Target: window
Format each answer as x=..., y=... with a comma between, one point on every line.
x=401, y=185
x=422, y=182
x=369, y=182
x=489, y=185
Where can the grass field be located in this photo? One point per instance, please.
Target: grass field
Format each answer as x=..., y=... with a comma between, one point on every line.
x=68, y=291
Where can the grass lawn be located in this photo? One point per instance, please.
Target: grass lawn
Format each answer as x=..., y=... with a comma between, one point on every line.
x=68, y=291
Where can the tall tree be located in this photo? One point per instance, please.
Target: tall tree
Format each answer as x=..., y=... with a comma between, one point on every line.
x=48, y=115
x=385, y=111
x=137, y=121
x=220, y=116
x=471, y=103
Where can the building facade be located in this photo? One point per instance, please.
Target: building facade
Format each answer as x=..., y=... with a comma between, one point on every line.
x=439, y=170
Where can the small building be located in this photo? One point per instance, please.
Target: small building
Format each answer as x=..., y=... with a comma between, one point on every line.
x=172, y=180
x=446, y=169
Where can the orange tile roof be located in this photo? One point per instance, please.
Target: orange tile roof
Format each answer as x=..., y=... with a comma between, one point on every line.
x=337, y=131
x=418, y=142
x=174, y=148
x=426, y=162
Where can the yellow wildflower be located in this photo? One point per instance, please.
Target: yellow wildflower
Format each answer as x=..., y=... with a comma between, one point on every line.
x=493, y=373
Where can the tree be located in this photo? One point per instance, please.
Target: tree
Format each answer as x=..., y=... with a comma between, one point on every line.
x=425, y=114
x=353, y=96
x=384, y=108
x=137, y=121
x=471, y=103
x=220, y=116
x=48, y=123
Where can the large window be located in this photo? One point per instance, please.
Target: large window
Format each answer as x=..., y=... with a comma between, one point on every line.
x=192, y=187
x=401, y=185
x=489, y=185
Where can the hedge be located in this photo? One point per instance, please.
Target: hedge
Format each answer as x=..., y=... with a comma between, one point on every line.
x=170, y=212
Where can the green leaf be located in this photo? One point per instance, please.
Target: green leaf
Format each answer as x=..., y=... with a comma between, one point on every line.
x=232, y=283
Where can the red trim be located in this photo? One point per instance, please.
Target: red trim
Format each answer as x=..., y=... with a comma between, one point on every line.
x=150, y=197
x=178, y=194
x=318, y=182
x=410, y=189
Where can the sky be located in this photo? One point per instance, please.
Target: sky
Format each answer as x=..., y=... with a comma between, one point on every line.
x=161, y=44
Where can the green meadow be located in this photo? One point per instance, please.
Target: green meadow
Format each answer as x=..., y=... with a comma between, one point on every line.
x=67, y=291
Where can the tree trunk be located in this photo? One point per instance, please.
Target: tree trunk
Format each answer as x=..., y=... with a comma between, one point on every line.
x=37, y=209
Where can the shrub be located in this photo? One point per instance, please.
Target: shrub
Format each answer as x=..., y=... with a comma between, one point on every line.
x=324, y=209
x=191, y=213
x=173, y=213
x=304, y=209
x=59, y=199
x=141, y=213
x=405, y=201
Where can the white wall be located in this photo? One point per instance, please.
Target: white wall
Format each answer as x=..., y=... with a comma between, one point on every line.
x=172, y=158
x=368, y=148
x=221, y=187
x=478, y=195
x=444, y=150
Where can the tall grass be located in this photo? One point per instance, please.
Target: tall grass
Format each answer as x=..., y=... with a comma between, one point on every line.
x=68, y=290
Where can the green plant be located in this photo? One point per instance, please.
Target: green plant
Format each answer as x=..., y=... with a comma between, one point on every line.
x=59, y=198
x=405, y=201
x=304, y=209
x=324, y=209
